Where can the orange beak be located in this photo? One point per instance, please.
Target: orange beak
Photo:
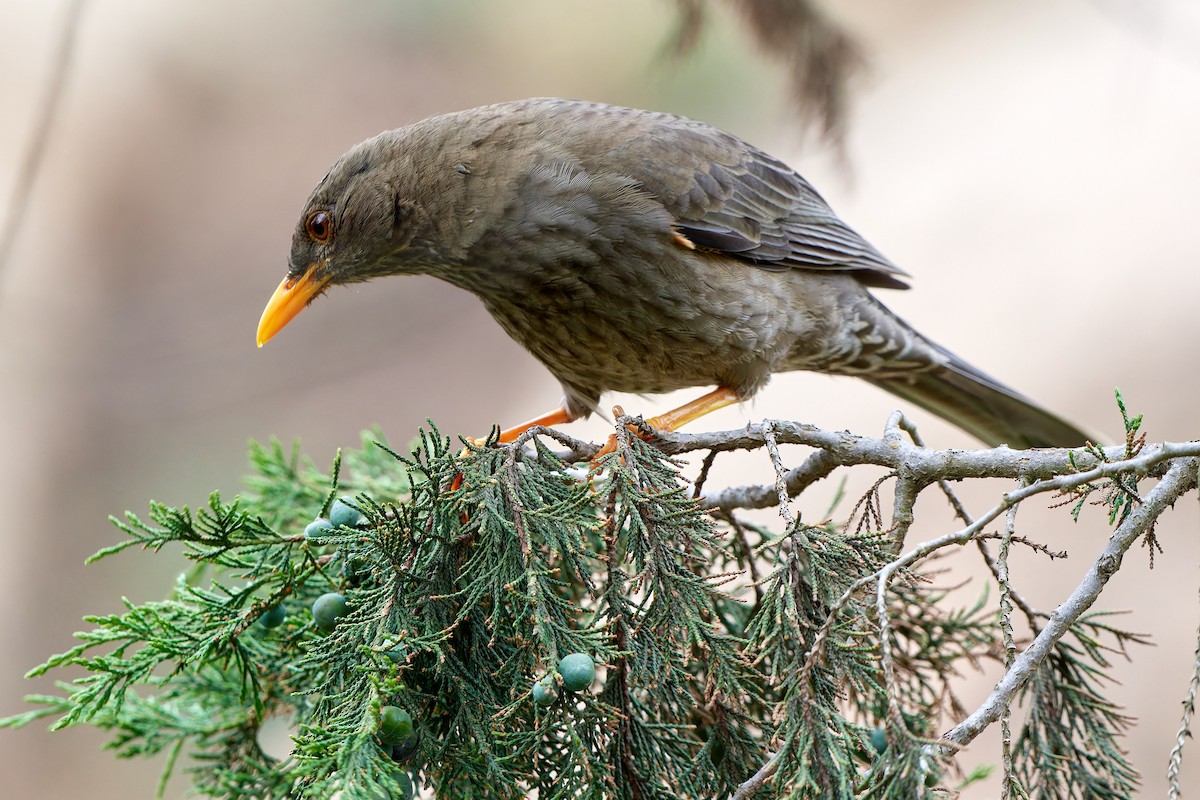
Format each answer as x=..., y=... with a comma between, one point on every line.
x=292, y=297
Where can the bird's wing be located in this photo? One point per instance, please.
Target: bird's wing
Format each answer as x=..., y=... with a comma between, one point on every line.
x=728, y=196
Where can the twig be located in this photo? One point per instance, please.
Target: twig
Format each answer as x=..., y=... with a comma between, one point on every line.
x=1036, y=547
x=818, y=465
x=705, y=466
x=895, y=715
x=1179, y=478
x=31, y=164
x=926, y=466
x=755, y=781
x=964, y=535
x=907, y=489
x=961, y=512
x=619, y=670
x=930, y=465
x=785, y=502
x=1010, y=646
x=1031, y=614
x=1174, y=791
x=743, y=551
x=903, y=499
x=508, y=482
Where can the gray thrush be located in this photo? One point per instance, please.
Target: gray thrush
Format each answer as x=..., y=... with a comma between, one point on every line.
x=639, y=252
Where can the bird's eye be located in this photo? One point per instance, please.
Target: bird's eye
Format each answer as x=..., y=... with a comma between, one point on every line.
x=319, y=226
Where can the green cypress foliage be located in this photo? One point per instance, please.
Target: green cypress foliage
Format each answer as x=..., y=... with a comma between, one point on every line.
x=720, y=646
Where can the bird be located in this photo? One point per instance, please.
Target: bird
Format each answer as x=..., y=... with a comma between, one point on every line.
x=635, y=251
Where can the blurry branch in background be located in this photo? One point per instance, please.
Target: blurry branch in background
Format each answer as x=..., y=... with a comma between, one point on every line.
x=31, y=163
x=820, y=58
x=512, y=619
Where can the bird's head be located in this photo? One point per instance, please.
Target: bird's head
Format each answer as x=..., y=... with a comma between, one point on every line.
x=359, y=223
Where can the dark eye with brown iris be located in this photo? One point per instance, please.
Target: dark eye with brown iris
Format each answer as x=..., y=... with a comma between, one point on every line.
x=319, y=226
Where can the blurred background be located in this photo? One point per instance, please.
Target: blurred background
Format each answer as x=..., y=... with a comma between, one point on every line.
x=1032, y=164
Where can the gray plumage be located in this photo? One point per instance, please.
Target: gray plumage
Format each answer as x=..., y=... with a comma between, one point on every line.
x=642, y=252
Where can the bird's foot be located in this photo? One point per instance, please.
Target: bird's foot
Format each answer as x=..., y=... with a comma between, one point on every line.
x=558, y=416
x=642, y=429
x=608, y=449
x=672, y=420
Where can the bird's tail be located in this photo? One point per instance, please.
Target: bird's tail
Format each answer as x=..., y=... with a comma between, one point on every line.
x=982, y=406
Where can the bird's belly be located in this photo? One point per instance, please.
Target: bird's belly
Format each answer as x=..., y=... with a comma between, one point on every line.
x=646, y=332
x=602, y=351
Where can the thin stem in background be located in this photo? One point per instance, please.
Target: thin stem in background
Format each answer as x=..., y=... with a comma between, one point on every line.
x=31, y=165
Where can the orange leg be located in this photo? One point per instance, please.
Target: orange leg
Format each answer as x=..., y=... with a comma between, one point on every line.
x=676, y=418
x=559, y=416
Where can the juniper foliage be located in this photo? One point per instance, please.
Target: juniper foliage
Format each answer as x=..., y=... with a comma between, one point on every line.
x=722, y=645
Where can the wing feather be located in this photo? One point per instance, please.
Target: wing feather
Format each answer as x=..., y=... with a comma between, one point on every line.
x=729, y=196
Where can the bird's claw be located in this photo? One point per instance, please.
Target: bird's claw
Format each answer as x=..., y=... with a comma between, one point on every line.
x=608, y=449
x=639, y=428
x=457, y=482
